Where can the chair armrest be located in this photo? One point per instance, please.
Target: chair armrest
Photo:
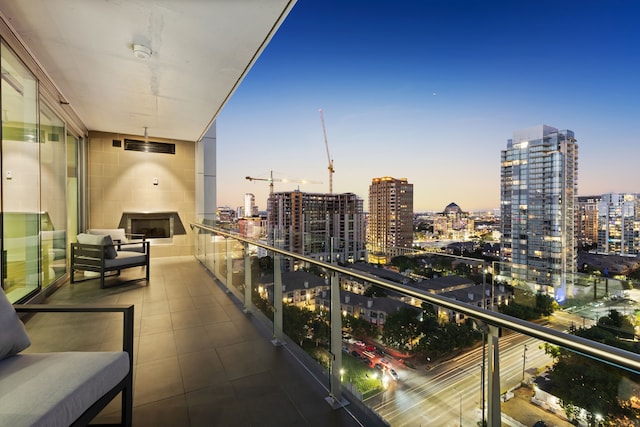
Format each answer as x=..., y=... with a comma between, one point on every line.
x=125, y=309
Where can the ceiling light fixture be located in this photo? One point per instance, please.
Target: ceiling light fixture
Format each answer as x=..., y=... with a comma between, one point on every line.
x=141, y=52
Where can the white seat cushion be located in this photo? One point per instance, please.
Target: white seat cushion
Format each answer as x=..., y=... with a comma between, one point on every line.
x=54, y=389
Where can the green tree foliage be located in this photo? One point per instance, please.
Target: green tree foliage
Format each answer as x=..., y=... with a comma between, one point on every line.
x=582, y=382
x=618, y=325
x=296, y=322
x=375, y=291
x=444, y=340
x=529, y=306
x=265, y=264
x=404, y=263
x=401, y=328
x=360, y=328
x=321, y=329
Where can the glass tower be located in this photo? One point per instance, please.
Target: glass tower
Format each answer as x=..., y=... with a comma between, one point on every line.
x=539, y=182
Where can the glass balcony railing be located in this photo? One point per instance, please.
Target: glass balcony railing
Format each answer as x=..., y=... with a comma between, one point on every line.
x=384, y=355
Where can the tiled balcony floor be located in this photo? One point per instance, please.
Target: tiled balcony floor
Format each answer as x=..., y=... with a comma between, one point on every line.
x=198, y=361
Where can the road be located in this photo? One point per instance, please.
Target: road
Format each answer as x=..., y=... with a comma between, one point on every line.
x=450, y=394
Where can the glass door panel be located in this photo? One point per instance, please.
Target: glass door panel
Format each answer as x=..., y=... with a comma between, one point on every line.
x=21, y=213
x=53, y=181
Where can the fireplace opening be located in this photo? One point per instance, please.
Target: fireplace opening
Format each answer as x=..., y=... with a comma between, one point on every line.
x=156, y=228
x=154, y=225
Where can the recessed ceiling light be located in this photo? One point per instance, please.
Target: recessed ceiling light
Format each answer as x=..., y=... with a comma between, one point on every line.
x=141, y=52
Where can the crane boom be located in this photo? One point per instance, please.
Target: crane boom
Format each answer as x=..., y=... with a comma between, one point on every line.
x=326, y=144
x=271, y=180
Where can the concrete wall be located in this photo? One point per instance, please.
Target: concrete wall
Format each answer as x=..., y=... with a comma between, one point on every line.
x=122, y=181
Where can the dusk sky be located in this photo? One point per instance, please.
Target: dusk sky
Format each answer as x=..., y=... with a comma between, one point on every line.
x=431, y=91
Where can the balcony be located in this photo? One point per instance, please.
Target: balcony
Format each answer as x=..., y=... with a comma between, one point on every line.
x=206, y=354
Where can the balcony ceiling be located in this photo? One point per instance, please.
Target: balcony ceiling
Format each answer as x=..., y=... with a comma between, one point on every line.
x=201, y=51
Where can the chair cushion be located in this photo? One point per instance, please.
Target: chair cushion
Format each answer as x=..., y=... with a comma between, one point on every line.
x=54, y=389
x=13, y=336
x=117, y=234
x=99, y=239
x=126, y=258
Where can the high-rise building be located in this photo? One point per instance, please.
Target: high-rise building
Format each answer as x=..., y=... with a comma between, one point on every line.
x=539, y=180
x=317, y=225
x=619, y=224
x=390, y=223
x=250, y=208
x=587, y=220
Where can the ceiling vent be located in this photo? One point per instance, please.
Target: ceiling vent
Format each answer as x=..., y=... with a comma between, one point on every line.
x=149, y=147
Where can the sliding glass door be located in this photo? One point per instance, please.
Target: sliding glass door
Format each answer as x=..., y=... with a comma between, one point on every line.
x=21, y=211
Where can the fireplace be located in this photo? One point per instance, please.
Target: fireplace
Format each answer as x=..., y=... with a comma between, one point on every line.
x=159, y=228
x=153, y=225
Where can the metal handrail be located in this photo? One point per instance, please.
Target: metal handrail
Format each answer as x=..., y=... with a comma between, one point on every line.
x=612, y=355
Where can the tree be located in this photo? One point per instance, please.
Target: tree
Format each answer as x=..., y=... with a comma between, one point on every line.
x=404, y=263
x=321, y=329
x=296, y=322
x=375, y=291
x=401, y=328
x=360, y=328
x=598, y=388
x=266, y=264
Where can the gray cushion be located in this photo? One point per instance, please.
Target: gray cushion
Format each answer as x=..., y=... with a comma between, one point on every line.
x=126, y=258
x=54, y=389
x=115, y=233
x=13, y=337
x=99, y=239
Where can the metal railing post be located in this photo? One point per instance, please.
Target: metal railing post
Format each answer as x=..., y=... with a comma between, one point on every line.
x=229, y=281
x=494, y=417
x=277, y=300
x=248, y=304
x=335, y=396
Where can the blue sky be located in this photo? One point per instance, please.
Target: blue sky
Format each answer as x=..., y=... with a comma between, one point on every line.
x=430, y=91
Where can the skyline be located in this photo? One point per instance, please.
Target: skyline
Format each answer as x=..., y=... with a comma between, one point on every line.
x=431, y=92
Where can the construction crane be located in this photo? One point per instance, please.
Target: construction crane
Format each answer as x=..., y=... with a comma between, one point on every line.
x=326, y=144
x=271, y=180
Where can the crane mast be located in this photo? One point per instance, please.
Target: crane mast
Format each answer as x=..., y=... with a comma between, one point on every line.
x=270, y=180
x=326, y=144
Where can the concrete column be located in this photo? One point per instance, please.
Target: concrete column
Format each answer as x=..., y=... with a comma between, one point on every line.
x=494, y=417
x=277, y=300
x=206, y=177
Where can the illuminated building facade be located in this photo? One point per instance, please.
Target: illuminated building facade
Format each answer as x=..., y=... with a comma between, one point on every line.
x=618, y=224
x=453, y=223
x=390, y=225
x=539, y=180
x=587, y=219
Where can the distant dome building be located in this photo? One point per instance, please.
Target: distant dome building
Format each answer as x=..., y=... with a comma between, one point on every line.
x=452, y=208
x=453, y=223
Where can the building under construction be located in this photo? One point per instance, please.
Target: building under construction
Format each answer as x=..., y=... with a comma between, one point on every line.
x=317, y=225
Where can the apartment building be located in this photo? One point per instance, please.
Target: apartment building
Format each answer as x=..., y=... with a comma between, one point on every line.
x=587, y=219
x=618, y=224
x=390, y=223
x=539, y=182
x=326, y=227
